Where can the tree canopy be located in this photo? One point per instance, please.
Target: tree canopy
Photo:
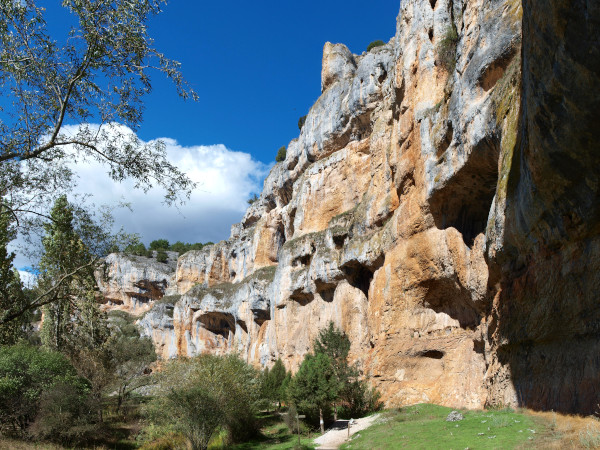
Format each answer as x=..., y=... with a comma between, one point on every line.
x=78, y=97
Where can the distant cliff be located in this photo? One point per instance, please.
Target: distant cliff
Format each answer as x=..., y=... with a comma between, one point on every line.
x=441, y=205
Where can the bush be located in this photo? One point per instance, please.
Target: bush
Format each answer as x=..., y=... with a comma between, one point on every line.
x=252, y=199
x=281, y=154
x=64, y=415
x=446, y=49
x=28, y=375
x=138, y=249
x=301, y=122
x=220, y=391
x=161, y=256
x=372, y=45
x=159, y=244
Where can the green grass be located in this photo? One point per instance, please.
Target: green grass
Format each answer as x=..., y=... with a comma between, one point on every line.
x=424, y=427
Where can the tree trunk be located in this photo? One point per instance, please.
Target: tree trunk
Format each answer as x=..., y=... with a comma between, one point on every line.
x=335, y=412
x=321, y=421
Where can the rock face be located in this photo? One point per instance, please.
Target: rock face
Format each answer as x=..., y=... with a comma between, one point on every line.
x=134, y=283
x=441, y=206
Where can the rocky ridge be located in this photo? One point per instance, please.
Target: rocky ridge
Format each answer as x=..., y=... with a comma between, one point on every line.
x=426, y=209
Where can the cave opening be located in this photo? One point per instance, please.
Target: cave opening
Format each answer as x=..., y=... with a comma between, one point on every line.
x=218, y=323
x=465, y=200
x=433, y=354
x=360, y=275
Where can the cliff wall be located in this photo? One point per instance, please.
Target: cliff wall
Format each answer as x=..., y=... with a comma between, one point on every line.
x=440, y=206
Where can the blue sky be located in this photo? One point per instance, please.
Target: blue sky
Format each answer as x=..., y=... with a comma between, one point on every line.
x=257, y=68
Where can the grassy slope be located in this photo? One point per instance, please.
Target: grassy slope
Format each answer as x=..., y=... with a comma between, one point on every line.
x=424, y=426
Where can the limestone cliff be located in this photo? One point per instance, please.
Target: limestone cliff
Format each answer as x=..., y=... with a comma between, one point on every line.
x=440, y=205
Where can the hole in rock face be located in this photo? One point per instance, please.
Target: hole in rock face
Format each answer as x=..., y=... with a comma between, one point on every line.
x=261, y=316
x=302, y=298
x=242, y=325
x=492, y=73
x=430, y=33
x=359, y=275
x=465, y=200
x=432, y=3
x=433, y=354
x=218, y=323
x=325, y=290
x=339, y=241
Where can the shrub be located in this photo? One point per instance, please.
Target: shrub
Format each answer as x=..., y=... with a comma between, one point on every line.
x=159, y=244
x=252, y=199
x=446, y=49
x=372, y=45
x=26, y=375
x=301, y=122
x=281, y=153
x=161, y=256
x=221, y=391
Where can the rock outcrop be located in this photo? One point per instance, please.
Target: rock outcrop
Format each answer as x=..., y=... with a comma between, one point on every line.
x=133, y=283
x=441, y=206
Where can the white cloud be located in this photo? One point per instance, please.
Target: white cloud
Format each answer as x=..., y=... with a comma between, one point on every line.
x=225, y=178
x=27, y=278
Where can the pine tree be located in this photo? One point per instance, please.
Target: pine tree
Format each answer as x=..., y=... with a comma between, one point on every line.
x=11, y=290
x=336, y=345
x=73, y=318
x=315, y=385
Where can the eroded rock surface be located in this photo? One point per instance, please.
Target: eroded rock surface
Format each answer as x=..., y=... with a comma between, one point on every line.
x=443, y=213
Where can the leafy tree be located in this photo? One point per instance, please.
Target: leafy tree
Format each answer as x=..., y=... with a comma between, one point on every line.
x=377, y=43
x=315, y=385
x=179, y=247
x=138, y=249
x=99, y=72
x=281, y=153
x=26, y=373
x=221, y=390
x=161, y=256
x=159, y=244
x=130, y=356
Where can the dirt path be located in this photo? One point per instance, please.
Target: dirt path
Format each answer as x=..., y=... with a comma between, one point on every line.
x=338, y=433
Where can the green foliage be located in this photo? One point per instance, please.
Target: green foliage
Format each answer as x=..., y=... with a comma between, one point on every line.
x=446, y=49
x=315, y=386
x=372, y=45
x=161, y=256
x=129, y=356
x=281, y=153
x=223, y=389
x=12, y=297
x=97, y=71
x=28, y=373
x=72, y=318
x=159, y=244
x=272, y=383
x=64, y=415
x=301, y=122
x=181, y=247
x=138, y=249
